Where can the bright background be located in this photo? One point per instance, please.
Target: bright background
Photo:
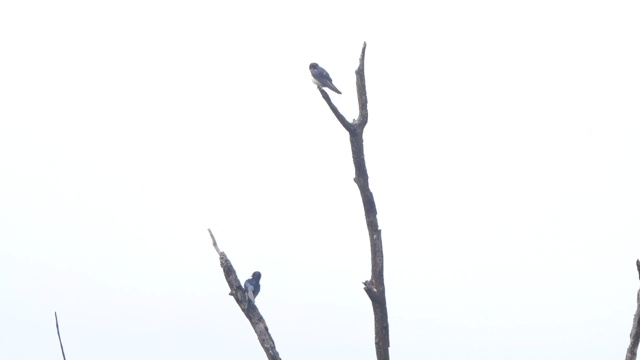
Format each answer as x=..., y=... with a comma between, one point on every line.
x=503, y=148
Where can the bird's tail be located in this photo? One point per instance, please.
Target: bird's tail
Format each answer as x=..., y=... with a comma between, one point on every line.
x=334, y=88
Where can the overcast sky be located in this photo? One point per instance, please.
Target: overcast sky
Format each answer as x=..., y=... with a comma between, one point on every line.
x=503, y=148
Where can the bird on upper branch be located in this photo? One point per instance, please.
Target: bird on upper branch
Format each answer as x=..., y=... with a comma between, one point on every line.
x=321, y=77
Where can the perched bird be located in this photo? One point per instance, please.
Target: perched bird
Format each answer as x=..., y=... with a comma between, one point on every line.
x=252, y=286
x=321, y=77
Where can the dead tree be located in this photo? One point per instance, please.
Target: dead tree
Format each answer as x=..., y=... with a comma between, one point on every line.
x=248, y=307
x=632, y=351
x=374, y=287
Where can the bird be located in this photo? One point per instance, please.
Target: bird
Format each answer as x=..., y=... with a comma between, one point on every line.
x=252, y=286
x=321, y=77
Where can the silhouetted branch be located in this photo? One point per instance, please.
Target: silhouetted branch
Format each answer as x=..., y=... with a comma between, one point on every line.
x=248, y=307
x=632, y=351
x=374, y=287
x=59, y=338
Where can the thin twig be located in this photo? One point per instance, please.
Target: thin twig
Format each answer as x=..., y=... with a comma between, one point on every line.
x=215, y=244
x=347, y=125
x=59, y=338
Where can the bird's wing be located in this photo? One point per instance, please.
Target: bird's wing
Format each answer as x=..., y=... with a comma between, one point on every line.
x=320, y=74
x=249, y=289
x=324, y=74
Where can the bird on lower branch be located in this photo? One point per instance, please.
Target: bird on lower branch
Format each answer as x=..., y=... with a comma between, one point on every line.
x=252, y=286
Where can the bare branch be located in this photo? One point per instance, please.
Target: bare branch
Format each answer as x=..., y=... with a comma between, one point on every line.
x=249, y=308
x=59, y=338
x=374, y=287
x=632, y=350
x=347, y=125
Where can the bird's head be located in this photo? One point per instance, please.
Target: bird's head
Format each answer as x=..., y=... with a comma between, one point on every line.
x=313, y=66
x=256, y=275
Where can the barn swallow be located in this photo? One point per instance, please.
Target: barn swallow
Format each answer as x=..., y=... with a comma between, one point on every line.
x=321, y=77
x=252, y=286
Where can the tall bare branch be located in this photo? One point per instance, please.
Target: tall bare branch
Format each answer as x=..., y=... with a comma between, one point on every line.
x=249, y=308
x=632, y=351
x=374, y=287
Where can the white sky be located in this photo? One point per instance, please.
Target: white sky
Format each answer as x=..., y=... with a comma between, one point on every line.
x=503, y=148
